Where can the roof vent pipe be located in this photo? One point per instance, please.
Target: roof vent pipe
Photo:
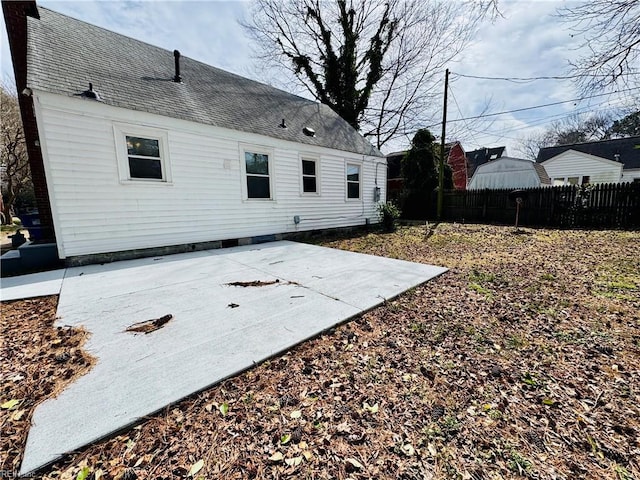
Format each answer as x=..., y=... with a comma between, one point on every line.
x=177, y=78
x=283, y=124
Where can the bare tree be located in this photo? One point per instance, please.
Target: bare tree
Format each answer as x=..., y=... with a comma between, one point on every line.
x=574, y=129
x=16, y=174
x=611, y=34
x=379, y=65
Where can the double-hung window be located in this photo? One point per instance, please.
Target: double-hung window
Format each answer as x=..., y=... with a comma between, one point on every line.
x=144, y=159
x=143, y=154
x=257, y=172
x=309, y=175
x=353, y=181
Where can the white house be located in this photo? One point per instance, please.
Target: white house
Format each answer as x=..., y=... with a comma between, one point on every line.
x=507, y=172
x=607, y=161
x=143, y=148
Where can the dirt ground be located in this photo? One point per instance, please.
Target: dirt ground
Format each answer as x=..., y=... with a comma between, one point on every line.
x=521, y=362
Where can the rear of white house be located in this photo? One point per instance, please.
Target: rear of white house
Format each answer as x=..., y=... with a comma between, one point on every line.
x=194, y=183
x=577, y=168
x=143, y=148
x=605, y=161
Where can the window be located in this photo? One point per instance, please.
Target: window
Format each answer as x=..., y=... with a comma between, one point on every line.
x=558, y=181
x=257, y=171
x=142, y=154
x=573, y=180
x=353, y=181
x=144, y=158
x=585, y=179
x=309, y=176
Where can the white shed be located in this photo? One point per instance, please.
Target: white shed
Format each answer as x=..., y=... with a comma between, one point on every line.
x=143, y=149
x=507, y=172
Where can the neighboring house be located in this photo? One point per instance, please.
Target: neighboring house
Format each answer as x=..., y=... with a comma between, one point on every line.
x=395, y=182
x=475, y=158
x=142, y=149
x=606, y=161
x=456, y=159
x=507, y=172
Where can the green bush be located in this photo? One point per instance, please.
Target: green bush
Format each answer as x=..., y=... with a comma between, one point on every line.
x=388, y=213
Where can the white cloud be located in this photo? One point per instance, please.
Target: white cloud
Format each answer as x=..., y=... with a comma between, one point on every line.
x=528, y=42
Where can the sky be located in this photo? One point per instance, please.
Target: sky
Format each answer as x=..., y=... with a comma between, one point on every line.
x=528, y=40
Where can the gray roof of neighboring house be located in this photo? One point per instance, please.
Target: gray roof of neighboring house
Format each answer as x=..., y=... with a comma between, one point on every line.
x=628, y=150
x=65, y=54
x=475, y=158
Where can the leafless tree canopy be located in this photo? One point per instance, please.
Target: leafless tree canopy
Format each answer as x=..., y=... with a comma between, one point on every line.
x=578, y=129
x=611, y=33
x=379, y=65
x=16, y=174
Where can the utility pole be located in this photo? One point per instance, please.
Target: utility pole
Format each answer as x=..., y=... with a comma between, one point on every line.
x=444, y=132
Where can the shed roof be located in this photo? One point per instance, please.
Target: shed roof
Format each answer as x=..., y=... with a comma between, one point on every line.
x=627, y=149
x=65, y=54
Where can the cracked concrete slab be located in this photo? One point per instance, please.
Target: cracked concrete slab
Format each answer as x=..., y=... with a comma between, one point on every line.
x=216, y=330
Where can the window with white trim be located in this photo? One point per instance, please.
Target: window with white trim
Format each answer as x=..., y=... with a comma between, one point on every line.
x=353, y=181
x=257, y=173
x=309, y=175
x=142, y=154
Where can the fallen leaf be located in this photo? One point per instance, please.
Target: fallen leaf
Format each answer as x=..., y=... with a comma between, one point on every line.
x=408, y=449
x=294, y=462
x=83, y=474
x=285, y=439
x=9, y=405
x=195, y=468
x=370, y=408
x=276, y=457
x=296, y=414
x=224, y=408
x=17, y=415
x=355, y=463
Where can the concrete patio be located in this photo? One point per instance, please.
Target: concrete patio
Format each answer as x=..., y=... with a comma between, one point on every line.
x=216, y=329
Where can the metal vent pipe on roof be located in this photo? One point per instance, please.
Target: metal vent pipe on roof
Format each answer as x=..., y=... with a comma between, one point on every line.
x=177, y=78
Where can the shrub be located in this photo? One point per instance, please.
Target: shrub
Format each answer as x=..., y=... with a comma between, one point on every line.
x=388, y=213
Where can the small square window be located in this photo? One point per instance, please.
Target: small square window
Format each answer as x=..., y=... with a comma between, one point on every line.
x=142, y=154
x=144, y=158
x=573, y=180
x=309, y=176
x=353, y=181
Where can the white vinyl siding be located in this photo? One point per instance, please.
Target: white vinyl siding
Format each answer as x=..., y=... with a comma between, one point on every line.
x=572, y=164
x=95, y=212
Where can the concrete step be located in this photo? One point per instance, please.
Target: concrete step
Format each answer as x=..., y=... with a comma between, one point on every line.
x=10, y=263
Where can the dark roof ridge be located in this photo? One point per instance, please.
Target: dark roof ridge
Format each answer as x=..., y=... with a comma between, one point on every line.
x=594, y=141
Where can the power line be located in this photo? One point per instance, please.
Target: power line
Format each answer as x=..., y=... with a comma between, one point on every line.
x=529, y=79
x=534, y=107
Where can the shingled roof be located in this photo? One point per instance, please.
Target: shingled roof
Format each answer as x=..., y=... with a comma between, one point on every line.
x=624, y=150
x=66, y=54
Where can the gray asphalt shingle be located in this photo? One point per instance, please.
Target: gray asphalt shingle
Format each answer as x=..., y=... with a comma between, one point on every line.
x=65, y=54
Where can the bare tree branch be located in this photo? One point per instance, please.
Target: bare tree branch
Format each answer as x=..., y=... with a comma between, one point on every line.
x=378, y=65
x=610, y=30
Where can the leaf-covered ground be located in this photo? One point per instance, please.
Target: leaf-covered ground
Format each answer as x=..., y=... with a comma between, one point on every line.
x=522, y=361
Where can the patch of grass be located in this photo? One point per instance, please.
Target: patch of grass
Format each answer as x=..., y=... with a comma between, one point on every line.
x=480, y=289
x=547, y=277
x=516, y=342
x=517, y=463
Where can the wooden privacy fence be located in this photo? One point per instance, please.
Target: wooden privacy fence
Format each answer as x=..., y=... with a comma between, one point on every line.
x=615, y=205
